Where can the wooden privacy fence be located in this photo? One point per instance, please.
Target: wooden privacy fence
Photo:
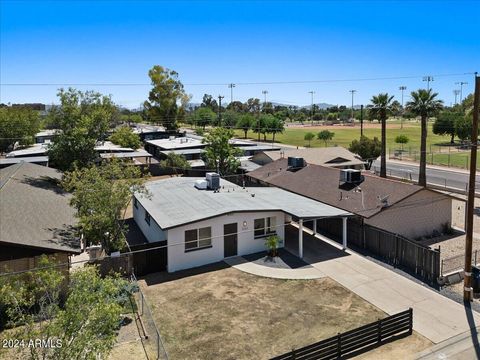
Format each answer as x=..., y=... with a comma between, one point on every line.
x=355, y=341
x=402, y=252
x=391, y=248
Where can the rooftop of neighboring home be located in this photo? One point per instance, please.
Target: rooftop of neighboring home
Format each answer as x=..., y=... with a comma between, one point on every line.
x=323, y=184
x=34, y=211
x=190, y=141
x=329, y=156
x=47, y=132
x=176, y=201
x=34, y=150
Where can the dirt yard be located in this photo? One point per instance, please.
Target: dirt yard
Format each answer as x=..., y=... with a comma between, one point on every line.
x=217, y=312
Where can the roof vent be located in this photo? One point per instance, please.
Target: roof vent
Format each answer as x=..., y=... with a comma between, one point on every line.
x=201, y=184
x=295, y=162
x=171, y=138
x=351, y=176
x=213, y=180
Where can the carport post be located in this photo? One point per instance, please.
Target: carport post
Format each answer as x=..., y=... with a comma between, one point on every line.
x=300, y=238
x=344, y=237
x=314, y=226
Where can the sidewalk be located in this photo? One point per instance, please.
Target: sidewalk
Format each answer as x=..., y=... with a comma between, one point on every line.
x=435, y=316
x=435, y=167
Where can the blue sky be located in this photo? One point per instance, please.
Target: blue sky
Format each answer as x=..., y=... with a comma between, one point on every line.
x=241, y=42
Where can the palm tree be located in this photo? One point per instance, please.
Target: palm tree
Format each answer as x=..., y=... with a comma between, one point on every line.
x=382, y=108
x=424, y=104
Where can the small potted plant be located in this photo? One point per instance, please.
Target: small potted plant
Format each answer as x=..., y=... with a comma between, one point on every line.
x=271, y=243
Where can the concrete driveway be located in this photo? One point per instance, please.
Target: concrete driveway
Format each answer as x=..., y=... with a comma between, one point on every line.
x=435, y=316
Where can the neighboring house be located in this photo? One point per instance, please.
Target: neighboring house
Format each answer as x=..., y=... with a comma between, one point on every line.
x=202, y=226
x=337, y=157
x=192, y=148
x=397, y=207
x=35, y=217
x=46, y=136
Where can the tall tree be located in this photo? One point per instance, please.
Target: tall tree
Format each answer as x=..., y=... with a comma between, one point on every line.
x=424, y=103
x=17, y=125
x=326, y=136
x=162, y=104
x=210, y=102
x=125, y=137
x=82, y=326
x=382, y=108
x=368, y=149
x=445, y=124
x=100, y=195
x=245, y=123
x=83, y=118
x=205, y=116
x=275, y=126
x=253, y=105
x=309, y=136
x=219, y=153
x=175, y=162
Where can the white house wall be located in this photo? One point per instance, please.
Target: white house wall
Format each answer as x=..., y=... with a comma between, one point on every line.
x=152, y=232
x=178, y=259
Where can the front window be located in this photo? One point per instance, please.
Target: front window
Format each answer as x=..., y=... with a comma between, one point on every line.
x=198, y=238
x=264, y=227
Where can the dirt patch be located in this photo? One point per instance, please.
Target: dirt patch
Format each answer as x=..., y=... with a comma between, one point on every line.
x=223, y=313
x=405, y=349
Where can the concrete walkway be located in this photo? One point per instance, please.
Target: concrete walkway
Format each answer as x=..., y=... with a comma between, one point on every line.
x=256, y=268
x=435, y=316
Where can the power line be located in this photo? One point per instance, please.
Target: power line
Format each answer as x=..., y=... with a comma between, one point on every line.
x=232, y=85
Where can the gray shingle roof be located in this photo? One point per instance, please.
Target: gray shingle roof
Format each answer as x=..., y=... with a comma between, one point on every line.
x=321, y=183
x=174, y=202
x=34, y=211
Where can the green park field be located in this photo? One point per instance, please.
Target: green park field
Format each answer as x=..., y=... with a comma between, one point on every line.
x=438, y=147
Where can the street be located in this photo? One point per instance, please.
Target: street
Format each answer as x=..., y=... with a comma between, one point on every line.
x=443, y=177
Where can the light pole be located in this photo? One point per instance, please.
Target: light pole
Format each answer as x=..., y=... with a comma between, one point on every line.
x=402, y=89
x=456, y=92
x=428, y=78
x=311, y=108
x=353, y=92
x=461, y=83
x=264, y=92
x=231, y=86
x=220, y=109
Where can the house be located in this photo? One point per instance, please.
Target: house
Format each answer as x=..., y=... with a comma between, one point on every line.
x=203, y=221
x=46, y=136
x=336, y=156
x=35, y=217
x=192, y=148
x=394, y=206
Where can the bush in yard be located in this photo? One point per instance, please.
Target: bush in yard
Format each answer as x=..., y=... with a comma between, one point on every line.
x=271, y=243
x=125, y=137
x=368, y=149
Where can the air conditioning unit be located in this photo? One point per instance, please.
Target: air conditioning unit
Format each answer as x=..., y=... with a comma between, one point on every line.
x=295, y=162
x=213, y=180
x=350, y=176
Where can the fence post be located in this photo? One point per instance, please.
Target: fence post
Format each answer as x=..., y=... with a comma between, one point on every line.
x=441, y=268
x=294, y=356
x=339, y=345
x=143, y=300
x=410, y=329
x=379, y=338
x=158, y=346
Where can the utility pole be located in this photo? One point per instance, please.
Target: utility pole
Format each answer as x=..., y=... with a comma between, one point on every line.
x=428, y=78
x=361, y=121
x=231, y=86
x=461, y=83
x=402, y=89
x=467, y=288
x=353, y=92
x=311, y=108
x=456, y=92
x=220, y=109
x=264, y=92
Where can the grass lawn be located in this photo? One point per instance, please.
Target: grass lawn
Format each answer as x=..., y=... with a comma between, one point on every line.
x=344, y=135
x=218, y=312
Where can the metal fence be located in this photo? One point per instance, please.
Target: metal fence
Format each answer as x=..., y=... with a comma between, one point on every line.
x=356, y=341
x=151, y=339
x=451, y=156
x=457, y=263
